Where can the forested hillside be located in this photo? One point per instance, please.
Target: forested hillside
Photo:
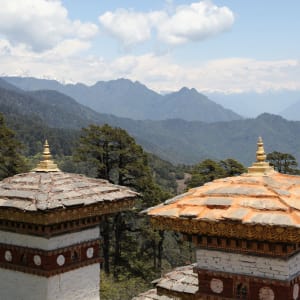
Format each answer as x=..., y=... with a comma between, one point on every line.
x=174, y=140
x=134, y=100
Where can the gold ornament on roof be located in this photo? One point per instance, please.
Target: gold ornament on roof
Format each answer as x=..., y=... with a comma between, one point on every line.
x=46, y=164
x=260, y=153
x=260, y=166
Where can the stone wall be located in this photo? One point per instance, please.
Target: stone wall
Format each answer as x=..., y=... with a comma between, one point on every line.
x=258, y=266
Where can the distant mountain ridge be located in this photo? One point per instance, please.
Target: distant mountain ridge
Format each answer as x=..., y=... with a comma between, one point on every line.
x=292, y=112
x=185, y=104
x=134, y=100
x=174, y=140
x=6, y=85
x=252, y=104
x=48, y=106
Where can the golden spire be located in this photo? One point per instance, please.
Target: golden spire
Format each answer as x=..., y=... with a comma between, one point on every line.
x=46, y=164
x=260, y=166
x=260, y=152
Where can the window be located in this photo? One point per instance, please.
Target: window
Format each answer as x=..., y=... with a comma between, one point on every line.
x=242, y=291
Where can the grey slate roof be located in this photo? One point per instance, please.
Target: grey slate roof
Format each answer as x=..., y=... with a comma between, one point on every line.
x=180, y=280
x=151, y=295
x=35, y=191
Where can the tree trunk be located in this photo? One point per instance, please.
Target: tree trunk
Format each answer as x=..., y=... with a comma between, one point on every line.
x=118, y=230
x=154, y=254
x=106, y=243
x=160, y=249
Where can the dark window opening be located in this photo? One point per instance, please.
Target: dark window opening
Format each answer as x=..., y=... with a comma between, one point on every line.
x=74, y=256
x=241, y=291
x=23, y=259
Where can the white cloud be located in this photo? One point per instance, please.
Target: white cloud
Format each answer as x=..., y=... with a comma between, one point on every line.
x=238, y=75
x=66, y=48
x=233, y=75
x=128, y=26
x=40, y=24
x=193, y=22
x=157, y=72
x=149, y=69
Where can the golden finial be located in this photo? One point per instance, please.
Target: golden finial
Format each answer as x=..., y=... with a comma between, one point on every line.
x=260, y=153
x=46, y=164
x=260, y=166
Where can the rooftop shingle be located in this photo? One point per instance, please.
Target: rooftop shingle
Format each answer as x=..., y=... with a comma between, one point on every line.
x=40, y=191
x=250, y=199
x=180, y=280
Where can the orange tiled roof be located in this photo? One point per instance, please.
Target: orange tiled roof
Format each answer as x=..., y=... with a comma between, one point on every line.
x=272, y=199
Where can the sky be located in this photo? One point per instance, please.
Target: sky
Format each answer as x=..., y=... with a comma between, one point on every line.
x=232, y=46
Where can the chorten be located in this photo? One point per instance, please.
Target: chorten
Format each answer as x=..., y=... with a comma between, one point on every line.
x=247, y=233
x=49, y=232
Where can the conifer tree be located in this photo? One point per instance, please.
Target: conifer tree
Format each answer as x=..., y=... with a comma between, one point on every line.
x=209, y=170
x=117, y=158
x=283, y=162
x=11, y=160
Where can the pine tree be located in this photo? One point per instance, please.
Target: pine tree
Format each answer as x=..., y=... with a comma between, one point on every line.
x=11, y=160
x=117, y=158
x=283, y=162
x=209, y=170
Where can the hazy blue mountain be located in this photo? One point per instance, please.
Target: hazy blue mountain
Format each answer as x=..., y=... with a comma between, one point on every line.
x=292, y=112
x=32, y=84
x=6, y=85
x=254, y=104
x=56, y=109
x=190, y=105
x=134, y=100
x=174, y=140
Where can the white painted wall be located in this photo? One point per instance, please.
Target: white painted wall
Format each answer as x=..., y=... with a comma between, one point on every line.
x=52, y=243
x=248, y=264
x=80, y=284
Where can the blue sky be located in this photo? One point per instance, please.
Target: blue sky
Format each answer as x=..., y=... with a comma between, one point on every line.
x=262, y=29
x=225, y=46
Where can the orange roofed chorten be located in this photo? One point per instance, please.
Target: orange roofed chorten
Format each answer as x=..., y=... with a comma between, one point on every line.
x=246, y=230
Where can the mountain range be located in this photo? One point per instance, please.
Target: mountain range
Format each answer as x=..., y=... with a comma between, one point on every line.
x=252, y=104
x=176, y=140
x=124, y=98
x=292, y=112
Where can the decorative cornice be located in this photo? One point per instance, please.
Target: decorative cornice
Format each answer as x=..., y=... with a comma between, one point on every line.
x=61, y=215
x=229, y=229
x=50, y=230
x=240, y=277
x=44, y=273
x=243, y=246
x=252, y=286
x=49, y=263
